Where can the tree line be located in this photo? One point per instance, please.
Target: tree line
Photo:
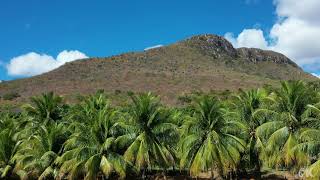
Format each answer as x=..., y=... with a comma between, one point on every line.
x=250, y=131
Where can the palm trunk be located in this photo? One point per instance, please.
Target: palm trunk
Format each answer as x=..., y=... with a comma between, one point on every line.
x=144, y=173
x=258, y=170
x=164, y=175
x=212, y=174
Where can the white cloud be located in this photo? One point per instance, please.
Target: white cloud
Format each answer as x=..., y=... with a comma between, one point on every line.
x=307, y=10
x=295, y=34
x=32, y=63
x=316, y=75
x=252, y=38
x=153, y=47
x=67, y=56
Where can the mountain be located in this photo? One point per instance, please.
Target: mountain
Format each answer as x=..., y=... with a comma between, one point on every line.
x=200, y=63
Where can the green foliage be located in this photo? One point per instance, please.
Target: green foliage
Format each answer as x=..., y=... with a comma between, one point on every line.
x=209, y=140
x=11, y=96
x=290, y=103
x=148, y=129
x=36, y=154
x=47, y=107
x=184, y=99
x=247, y=131
x=8, y=145
x=117, y=91
x=247, y=108
x=91, y=148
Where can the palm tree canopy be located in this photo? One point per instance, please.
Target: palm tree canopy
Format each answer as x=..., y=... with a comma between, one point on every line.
x=147, y=131
x=8, y=145
x=94, y=139
x=93, y=152
x=286, y=123
x=293, y=97
x=209, y=140
x=37, y=153
x=248, y=109
x=46, y=107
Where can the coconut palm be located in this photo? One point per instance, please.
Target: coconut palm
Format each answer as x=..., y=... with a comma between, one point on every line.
x=90, y=151
x=7, y=151
x=147, y=132
x=45, y=108
x=287, y=122
x=86, y=111
x=36, y=154
x=6, y=121
x=309, y=141
x=8, y=147
x=247, y=110
x=208, y=140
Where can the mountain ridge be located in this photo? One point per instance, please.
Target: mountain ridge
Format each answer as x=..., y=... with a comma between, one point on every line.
x=216, y=42
x=199, y=63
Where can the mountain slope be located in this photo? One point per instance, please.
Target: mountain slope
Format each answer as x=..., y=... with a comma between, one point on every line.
x=204, y=62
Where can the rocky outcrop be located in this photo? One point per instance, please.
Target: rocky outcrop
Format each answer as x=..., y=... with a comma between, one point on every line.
x=256, y=55
x=210, y=44
x=218, y=46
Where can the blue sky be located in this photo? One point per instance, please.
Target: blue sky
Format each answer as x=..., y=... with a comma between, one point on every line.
x=101, y=28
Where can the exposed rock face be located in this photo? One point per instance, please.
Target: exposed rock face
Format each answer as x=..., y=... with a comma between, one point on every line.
x=214, y=45
x=256, y=55
x=218, y=46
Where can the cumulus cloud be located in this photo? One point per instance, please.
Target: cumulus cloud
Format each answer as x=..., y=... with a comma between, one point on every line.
x=32, y=63
x=153, y=47
x=307, y=10
x=252, y=38
x=295, y=34
x=316, y=75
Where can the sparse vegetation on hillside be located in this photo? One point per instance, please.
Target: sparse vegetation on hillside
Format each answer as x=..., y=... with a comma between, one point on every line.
x=200, y=63
x=10, y=96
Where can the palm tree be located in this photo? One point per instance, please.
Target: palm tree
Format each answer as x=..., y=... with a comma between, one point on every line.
x=309, y=142
x=282, y=130
x=8, y=147
x=7, y=150
x=208, y=140
x=36, y=154
x=247, y=110
x=86, y=111
x=91, y=150
x=6, y=121
x=45, y=108
x=147, y=134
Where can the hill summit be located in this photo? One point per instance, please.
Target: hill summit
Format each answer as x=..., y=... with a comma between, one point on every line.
x=200, y=63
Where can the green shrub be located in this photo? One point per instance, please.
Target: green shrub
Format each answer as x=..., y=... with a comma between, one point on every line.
x=130, y=93
x=184, y=99
x=11, y=96
x=117, y=92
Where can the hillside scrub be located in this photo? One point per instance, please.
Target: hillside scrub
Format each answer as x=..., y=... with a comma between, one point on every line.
x=238, y=135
